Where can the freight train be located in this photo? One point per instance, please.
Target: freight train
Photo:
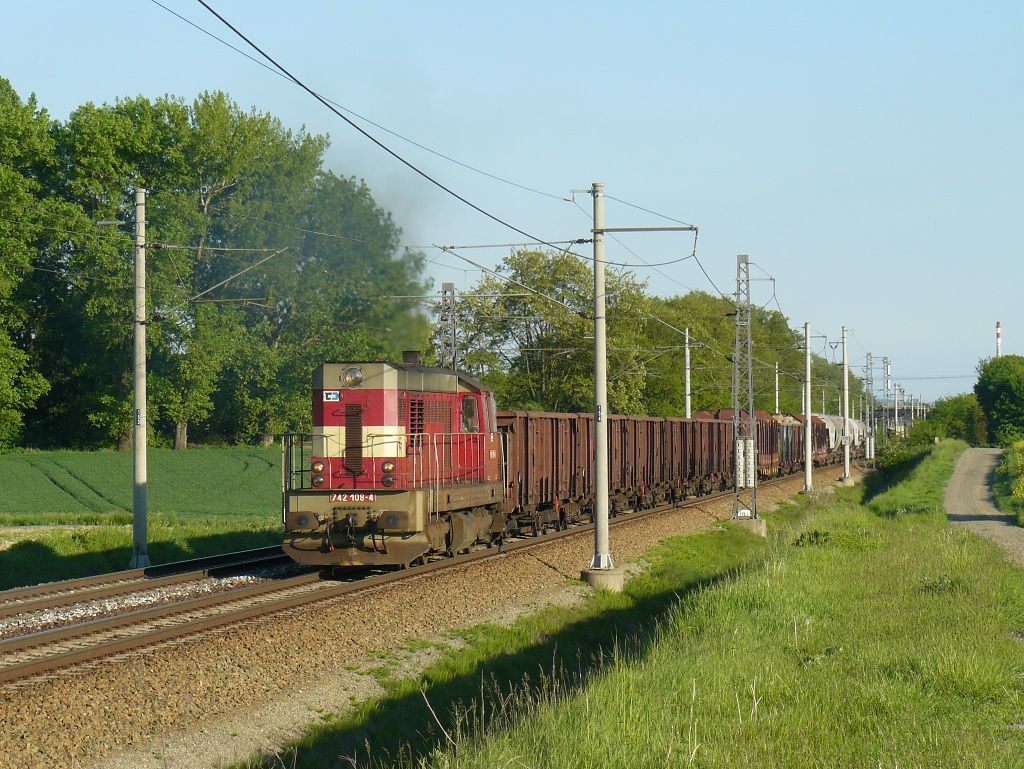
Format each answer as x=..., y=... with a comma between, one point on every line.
x=405, y=461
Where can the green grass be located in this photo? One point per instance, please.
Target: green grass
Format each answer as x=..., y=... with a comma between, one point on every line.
x=1008, y=488
x=96, y=486
x=201, y=502
x=919, y=482
x=849, y=638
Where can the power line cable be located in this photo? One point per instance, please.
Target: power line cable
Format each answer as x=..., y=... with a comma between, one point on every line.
x=513, y=281
x=365, y=119
x=647, y=210
x=635, y=254
x=366, y=133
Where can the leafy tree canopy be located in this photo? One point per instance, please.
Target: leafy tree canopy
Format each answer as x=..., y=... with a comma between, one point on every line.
x=535, y=345
x=536, y=349
x=270, y=264
x=26, y=158
x=959, y=416
x=1000, y=393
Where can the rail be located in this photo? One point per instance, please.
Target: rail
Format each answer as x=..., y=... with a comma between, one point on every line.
x=50, y=651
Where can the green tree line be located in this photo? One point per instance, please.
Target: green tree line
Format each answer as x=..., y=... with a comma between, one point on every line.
x=992, y=414
x=230, y=191
x=535, y=347
x=262, y=264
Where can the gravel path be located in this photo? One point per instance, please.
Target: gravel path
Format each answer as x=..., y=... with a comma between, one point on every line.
x=222, y=696
x=969, y=502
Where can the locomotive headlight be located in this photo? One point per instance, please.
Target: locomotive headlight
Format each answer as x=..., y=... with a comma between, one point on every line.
x=388, y=467
x=318, y=480
x=318, y=467
x=388, y=480
x=352, y=377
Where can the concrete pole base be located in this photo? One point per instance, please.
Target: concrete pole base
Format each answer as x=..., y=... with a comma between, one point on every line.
x=847, y=481
x=755, y=525
x=604, y=579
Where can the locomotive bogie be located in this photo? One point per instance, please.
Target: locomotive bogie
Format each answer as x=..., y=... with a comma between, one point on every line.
x=394, y=528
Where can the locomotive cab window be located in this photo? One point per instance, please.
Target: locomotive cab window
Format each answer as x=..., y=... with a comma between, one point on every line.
x=470, y=416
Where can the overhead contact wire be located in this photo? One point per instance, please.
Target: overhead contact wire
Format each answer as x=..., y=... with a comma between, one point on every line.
x=368, y=135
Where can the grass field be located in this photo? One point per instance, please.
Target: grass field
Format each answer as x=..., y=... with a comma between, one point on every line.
x=857, y=635
x=67, y=514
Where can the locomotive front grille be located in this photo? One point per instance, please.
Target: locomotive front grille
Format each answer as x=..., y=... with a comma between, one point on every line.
x=354, y=438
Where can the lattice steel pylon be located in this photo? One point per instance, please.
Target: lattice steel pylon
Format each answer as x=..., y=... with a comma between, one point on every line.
x=744, y=426
x=446, y=317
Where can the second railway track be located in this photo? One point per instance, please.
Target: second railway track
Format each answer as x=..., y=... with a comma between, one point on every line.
x=56, y=594
x=51, y=651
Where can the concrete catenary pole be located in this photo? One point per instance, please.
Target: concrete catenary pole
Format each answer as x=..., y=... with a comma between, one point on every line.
x=869, y=422
x=885, y=395
x=687, y=358
x=808, y=448
x=896, y=409
x=602, y=556
x=140, y=546
x=846, y=411
x=776, y=387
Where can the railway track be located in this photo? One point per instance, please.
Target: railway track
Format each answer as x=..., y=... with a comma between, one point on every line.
x=48, y=652
x=54, y=595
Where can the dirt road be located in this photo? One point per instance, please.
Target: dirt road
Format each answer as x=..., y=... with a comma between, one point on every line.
x=969, y=502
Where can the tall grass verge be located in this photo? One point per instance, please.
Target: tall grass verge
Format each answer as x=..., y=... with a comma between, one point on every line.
x=852, y=637
x=921, y=481
x=1009, y=482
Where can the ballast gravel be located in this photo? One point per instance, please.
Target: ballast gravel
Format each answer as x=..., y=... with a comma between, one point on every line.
x=223, y=696
x=48, y=619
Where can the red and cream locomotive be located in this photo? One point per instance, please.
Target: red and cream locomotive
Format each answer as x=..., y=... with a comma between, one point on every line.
x=402, y=460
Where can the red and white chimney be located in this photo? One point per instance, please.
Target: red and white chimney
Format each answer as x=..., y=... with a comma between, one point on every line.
x=999, y=339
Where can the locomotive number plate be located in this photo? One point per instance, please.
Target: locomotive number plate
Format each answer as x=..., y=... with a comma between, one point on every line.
x=353, y=497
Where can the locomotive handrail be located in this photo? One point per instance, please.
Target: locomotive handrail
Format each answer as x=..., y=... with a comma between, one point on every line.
x=431, y=459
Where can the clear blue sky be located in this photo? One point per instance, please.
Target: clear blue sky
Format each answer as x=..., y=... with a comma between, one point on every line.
x=866, y=155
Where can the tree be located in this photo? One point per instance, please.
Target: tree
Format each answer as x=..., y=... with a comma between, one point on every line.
x=327, y=299
x=26, y=153
x=535, y=348
x=960, y=416
x=712, y=324
x=1000, y=393
x=81, y=291
x=269, y=266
